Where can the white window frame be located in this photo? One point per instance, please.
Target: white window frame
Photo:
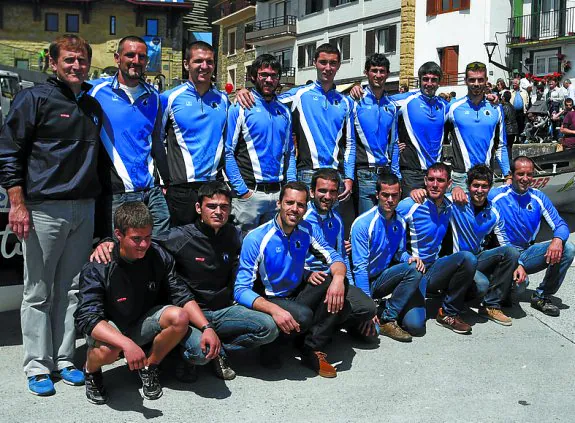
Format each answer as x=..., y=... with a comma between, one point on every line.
x=232, y=45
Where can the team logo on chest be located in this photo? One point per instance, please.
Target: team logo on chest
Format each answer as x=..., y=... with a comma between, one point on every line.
x=298, y=244
x=225, y=257
x=152, y=285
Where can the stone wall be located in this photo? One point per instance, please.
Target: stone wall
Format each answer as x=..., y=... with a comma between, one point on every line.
x=407, y=41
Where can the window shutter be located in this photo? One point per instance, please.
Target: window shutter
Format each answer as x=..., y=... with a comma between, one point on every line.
x=301, y=57
x=240, y=36
x=465, y=4
x=391, y=40
x=369, y=43
x=225, y=43
x=345, y=48
x=431, y=7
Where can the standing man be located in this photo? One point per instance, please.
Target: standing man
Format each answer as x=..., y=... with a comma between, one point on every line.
x=479, y=131
x=452, y=275
x=375, y=119
x=131, y=135
x=377, y=238
x=260, y=152
x=522, y=208
x=48, y=165
x=520, y=102
x=323, y=217
x=322, y=121
x=274, y=256
x=421, y=124
x=194, y=119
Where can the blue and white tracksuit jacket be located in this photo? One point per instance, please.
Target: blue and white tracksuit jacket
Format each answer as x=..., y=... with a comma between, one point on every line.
x=333, y=230
x=259, y=145
x=421, y=126
x=193, y=127
x=479, y=129
x=427, y=225
x=131, y=135
x=375, y=124
x=521, y=216
x=278, y=259
x=323, y=127
x=375, y=241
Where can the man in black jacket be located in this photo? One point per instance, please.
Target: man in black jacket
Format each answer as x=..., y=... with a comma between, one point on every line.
x=122, y=305
x=48, y=159
x=207, y=256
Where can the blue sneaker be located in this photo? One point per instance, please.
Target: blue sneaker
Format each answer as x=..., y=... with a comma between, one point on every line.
x=71, y=376
x=41, y=385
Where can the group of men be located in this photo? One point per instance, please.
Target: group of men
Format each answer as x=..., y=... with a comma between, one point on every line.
x=174, y=272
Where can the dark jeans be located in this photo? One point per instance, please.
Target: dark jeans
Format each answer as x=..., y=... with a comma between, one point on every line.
x=362, y=307
x=366, y=184
x=410, y=180
x=182, y=199
x=494, y=274
x=310, y=311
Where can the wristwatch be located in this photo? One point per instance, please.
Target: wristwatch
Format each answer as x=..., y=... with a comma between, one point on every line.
x=206, y=326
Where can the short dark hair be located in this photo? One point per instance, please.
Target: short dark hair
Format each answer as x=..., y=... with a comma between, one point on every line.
x=264, y=61
x=386, y=178
x=328, y=49
x=439, y=166
x=507, y=96
x=521, y=159
x=430, y=68
x=325, y=173
x=132, y=38
x=480, y=172
x=132, y=214
x=568, y=99
x=376, y=59
x=197, y=45
x=296, y=186
x=69, y=42
x=209, y=189
x=475, y=67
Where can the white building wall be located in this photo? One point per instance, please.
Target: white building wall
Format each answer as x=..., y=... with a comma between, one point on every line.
x=468, y=29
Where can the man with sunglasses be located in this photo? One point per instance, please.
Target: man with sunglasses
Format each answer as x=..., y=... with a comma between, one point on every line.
x=206, y=255
x=259, y=148
x=479, y=131
x=131, y=136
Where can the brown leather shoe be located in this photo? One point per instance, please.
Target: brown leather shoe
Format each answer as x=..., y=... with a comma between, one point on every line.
x=394, y=331
x=452, y=322
x=316, y=360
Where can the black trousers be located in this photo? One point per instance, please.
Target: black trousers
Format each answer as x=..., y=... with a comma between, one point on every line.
x=307, y=307
x=182, y=199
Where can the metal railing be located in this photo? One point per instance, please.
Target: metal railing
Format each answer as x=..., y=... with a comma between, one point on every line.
x=544, y=25
x=447, y=79
x=271, y=23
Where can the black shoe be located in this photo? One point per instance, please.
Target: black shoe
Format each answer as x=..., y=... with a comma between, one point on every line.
x=545, y=306
x=95, y=391
x=186, y=372
x=151, y=387
x=222, y=368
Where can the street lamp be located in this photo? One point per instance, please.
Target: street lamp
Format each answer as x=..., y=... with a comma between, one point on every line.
x=490, y=49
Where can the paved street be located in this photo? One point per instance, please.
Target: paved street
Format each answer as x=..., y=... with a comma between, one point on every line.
x=520, y=373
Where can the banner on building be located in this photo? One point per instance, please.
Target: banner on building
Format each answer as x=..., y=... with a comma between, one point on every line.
x=154, y=53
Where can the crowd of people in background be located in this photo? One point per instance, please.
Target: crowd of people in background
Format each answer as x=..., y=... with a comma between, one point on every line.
x=277, y=220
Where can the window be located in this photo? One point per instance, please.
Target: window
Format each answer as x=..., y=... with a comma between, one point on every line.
x=449, y=62
x=51, y=22
x=306, y=55
x=21, y=63
x=342, y=44
x=248, y=46
x=112, y=25
x=545, y=62
x=152, y=27
x=232, y=77
x=231, y=41
x=313, y=6
x=335, y=3
x=284, y=57
x=382, y=40
x=72, y=23
x=435, y=7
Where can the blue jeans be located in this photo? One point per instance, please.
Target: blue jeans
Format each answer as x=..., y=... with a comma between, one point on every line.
x=533, y=259
x=153, y=198
x=402, y=281
x=367, y=184
x=459, y=180
x=494, y=274
x=237, y=327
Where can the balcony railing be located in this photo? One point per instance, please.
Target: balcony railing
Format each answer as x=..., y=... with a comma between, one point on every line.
x=270, y=30
x=541, y=26
x=446, y=80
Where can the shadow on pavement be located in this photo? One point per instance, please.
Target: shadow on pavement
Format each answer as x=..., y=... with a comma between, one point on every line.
x=10, y=331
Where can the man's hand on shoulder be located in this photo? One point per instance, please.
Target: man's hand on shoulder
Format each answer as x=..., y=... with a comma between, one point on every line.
x=458, y=196
x=102, y=253
x=356, y=92
x=418, y=195
x=245, y=98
